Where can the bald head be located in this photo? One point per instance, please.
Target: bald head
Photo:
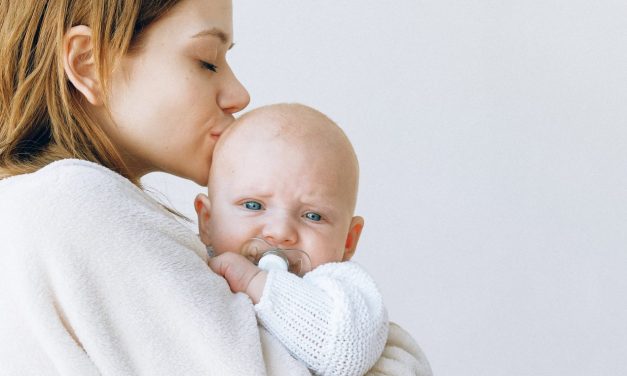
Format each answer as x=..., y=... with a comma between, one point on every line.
x=294, y=134
x=287, y=174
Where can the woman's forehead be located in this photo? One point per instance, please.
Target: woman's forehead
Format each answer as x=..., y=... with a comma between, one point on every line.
x=199, y=19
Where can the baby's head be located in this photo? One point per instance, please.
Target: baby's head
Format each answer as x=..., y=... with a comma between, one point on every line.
x=287, y=174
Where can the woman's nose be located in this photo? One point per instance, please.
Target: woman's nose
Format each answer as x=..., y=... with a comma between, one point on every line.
x=233, y=97
x=280, y=233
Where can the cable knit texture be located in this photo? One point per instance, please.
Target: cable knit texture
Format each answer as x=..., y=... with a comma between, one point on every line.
x=97, y=279
x=333, y=318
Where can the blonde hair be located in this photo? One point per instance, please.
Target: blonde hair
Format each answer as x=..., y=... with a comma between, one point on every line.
x=42, y=115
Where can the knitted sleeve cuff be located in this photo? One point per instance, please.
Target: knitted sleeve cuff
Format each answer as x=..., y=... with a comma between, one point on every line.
x=299, y=315
x=333, y=319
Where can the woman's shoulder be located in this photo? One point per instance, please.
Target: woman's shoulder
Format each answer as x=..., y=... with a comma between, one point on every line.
x=72, y=181
x=75, y=202
x=77, y=167
x=76, y=192
x=66, y=173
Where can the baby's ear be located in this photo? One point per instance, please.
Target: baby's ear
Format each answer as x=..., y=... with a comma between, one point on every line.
x=354, y=231
x=203, y=209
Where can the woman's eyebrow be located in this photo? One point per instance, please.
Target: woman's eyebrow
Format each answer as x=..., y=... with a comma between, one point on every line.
x=215, y=32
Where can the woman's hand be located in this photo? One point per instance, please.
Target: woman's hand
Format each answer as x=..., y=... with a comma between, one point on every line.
x=241, y=274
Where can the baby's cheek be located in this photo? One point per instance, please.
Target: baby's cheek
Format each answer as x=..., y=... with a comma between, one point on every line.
x=324, y=257
x=224, y=241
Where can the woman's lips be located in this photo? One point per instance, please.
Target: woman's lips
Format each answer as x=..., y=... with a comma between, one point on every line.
x=217, y=131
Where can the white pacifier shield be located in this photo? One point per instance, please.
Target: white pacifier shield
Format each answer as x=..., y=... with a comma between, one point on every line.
x=272, y=262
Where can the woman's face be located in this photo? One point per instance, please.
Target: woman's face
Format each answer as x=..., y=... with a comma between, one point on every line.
x=172, y=98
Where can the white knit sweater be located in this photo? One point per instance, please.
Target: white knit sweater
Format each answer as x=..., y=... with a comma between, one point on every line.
x=97, y=279
x=333, y=318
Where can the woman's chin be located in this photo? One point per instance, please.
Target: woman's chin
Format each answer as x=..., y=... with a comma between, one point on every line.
x=200, y=176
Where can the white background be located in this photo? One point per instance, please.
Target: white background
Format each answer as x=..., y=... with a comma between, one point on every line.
x=493, y=145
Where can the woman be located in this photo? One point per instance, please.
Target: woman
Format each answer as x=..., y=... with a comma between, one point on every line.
x=95, y=277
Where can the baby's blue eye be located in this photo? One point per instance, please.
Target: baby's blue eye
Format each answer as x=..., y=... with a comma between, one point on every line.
x=252, y=205
x=313, y=216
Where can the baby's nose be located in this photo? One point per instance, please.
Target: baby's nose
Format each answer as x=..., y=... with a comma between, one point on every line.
x=280, y=233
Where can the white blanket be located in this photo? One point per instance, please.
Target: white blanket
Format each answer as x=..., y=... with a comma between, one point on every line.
x=96, y=278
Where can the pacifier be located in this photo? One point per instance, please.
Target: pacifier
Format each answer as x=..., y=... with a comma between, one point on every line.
x=269, y=257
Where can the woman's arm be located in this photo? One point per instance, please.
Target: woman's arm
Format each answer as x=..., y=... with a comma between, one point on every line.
x=401, y=356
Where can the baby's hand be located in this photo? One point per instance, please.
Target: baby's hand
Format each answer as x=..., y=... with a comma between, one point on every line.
x=241, y=274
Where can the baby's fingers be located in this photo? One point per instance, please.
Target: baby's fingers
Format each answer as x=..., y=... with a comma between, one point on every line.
x=236, y=269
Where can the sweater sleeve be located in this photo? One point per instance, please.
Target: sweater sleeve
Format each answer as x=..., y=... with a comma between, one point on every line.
x=96, y=278
x=332, y=319
x=401, y=356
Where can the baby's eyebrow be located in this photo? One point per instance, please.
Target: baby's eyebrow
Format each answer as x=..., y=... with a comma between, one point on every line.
x=328, y=210
x=263, y=195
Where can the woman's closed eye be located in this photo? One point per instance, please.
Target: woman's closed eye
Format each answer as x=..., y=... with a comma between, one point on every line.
x=253, y=205
x=209, y=66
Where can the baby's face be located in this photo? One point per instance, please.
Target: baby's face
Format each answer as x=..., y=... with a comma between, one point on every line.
x=285, y=192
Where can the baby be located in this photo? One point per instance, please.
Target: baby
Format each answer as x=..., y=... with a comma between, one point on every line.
x=288, y=174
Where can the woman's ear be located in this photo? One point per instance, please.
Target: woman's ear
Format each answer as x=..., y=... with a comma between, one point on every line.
x=354, y=231
x=203, y=209
x=79, y=63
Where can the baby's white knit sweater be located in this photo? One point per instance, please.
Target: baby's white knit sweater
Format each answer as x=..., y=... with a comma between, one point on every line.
x=332, y=319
